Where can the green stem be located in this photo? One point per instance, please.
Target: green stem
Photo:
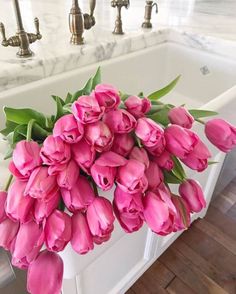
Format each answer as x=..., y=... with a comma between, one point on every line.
x=200, y=121
x=29, y=129
x=8, y=183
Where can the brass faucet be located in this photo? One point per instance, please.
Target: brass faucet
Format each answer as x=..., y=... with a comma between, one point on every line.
x=118, y=30
x=21, y=39
x=148, y=14
x=79, y=22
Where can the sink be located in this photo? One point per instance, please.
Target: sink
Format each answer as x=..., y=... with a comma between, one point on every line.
x=208, y=81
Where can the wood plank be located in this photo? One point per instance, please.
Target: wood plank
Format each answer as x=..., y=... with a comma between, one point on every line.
x=130, y=291
x=140, y=288
x=217, y=275
x=189, y=274
x=152, y=284
x=222, y=203
x=212, y=251
x=232, y=213
x=177, y=286
x=216, y=234
x=222, y=221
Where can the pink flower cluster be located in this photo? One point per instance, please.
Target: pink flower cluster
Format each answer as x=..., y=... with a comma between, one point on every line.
x=96, y=146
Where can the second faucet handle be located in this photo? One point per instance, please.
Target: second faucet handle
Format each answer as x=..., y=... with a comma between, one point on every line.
x=148, y=14
x=89, y=19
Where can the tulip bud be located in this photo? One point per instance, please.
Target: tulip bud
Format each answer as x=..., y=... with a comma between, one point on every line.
x=154, y=176
x=68, y=176
x=179, y=141
x=104, y=169
x=84, y=155
x=197, y=159
x=140, y=154
x=180, y=116
x=165, y=161
x=99, y=135
x=123, y=144
x=41, y=185
x=80, y=196
x=82, y=240
x=120, y=121
x=107, y=96
x=182, y=218
x=68, y=129
x=57, y=231
x=100, y=218
x=29, y=241
x=45, y=274
x=87, y=110
x=138, y=107
x=43, y=209
x=3, y=198
x=151, y=135
x=131, y=178
x=18, y=206
x=221, y=134
x=55, y=151
x=192, y=193
x=8, y=232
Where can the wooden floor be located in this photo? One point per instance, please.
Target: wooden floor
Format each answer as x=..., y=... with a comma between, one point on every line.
x=203, y=259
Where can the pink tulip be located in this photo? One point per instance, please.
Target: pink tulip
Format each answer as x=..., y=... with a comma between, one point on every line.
x=120, y=121
x=68, y=177
x=43, y=209
x=80, y=196
x=182, y=218
x=55, y=151
x=197, y=159
x=99, y=135
x=87, y=110
x=179, y=141
x=68, y=129
x=154, y=176
x=26, y=157
x=57, y=231
x=100, y=218
x=128, y=209
x=157, y=214
x=151, y=135
x=15, y=172
x=45, y=274
x=123, y=144
x=138, y=107
x=165, y=161
x=107, y=96
x=29, y=241
x=180, y=116
x=84, y=155
x=99, y=240
x=3, y=198
x=221, y=134
x=131, y=177
x=192, y=193
x=18, y=206
x=41, y=185
x=104, y=169
x=8, y=232
x=82, y=239
x=140, y=154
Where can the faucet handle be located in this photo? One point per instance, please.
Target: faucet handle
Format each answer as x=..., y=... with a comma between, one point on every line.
x=89, y=19
x=5, y=42
x=36, y=23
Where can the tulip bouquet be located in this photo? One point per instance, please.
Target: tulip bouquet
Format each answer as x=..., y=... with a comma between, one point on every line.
x=99, y=139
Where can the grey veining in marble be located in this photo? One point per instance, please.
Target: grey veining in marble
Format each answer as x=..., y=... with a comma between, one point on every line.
x=208, y=25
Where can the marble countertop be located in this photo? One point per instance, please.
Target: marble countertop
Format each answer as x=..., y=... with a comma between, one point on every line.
x=205, y=24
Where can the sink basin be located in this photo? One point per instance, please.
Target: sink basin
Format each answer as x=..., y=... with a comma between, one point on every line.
x=208, y=81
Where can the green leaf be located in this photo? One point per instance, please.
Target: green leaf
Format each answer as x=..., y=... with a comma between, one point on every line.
x=162, y=92
x=85, y=91
x=161, y=116
x=97, y=78
x=19, y=134
x=10, y=126
x=60, y=111
x=198, y=113
x=56, y=98
x=24, y=115
x=178, y=169
x=210, y=162
x=124, y=96
x=171, y=178
x=68, y=98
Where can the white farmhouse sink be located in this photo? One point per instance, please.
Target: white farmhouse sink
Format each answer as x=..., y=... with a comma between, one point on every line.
x=207, y=81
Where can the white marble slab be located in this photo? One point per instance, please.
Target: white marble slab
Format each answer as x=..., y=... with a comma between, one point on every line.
x=209, y=25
